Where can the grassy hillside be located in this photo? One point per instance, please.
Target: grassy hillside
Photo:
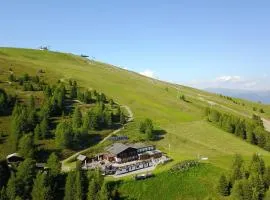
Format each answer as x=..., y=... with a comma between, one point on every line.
x=187, y=134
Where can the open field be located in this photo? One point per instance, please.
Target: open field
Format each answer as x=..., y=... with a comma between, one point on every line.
x=186, y=133
x=196, y=183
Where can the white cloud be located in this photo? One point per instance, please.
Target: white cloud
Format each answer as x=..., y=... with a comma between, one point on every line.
x=228, y=79
x=233, y=82
x=148, y=73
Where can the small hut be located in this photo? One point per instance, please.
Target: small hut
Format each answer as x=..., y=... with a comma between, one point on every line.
x=14, y=158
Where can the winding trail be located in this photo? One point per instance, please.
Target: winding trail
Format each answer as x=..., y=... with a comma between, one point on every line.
x=130, y=118
x=266, y=124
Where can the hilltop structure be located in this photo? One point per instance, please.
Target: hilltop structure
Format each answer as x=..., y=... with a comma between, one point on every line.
x=119, y=158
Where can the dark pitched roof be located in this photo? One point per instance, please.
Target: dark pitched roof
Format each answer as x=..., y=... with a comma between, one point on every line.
x=117, y=148
x=140, y=145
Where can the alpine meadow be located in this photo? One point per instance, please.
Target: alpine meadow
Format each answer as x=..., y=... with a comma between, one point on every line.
x=60, y=110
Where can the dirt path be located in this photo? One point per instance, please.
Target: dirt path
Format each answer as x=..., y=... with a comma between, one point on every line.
x=130, y=118
x=266, y=124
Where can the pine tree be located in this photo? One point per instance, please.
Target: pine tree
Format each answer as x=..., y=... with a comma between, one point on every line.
x=266, y=177
x=63, y=135
x=247, y=189
x=11, y=187
x=69, y=186
x=78, y=186
x=238, y=191
x=77, y=118
x=122, y=118
x=257, y=184
x=40, y=191
x=73, y=91
x=108, y=119
x=37, y=133
x=223, y=186
x=104, y=192
x=237, y=172
x=257, y=165
x=149, y=133
x=3, y=194
x=4, y=173
x=26, y=146
x=24, y=177
x=92, y=190
x=54, y=165
x=44, y=127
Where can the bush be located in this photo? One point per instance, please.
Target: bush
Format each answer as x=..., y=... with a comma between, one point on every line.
x=184, y=166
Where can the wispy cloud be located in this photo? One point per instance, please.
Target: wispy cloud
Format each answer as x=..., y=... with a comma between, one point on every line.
x=233, y=82
x=228, y=79
x=148, y=73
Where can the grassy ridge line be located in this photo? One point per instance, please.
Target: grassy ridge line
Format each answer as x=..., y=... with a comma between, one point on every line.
x=183, y=122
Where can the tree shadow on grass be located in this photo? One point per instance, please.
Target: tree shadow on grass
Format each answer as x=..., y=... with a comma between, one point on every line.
x=42, y=155
x=86, y=140
x=113, y=187
x=159, y=134
x=3, y=139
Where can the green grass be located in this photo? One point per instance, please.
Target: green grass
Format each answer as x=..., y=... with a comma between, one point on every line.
x=196, y=183
x=186, y=131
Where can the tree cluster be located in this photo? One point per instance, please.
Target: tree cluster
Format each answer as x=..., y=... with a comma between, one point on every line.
x=81, y=185
x=26, y=182
x=251, y=130
x=246, y=182
x=6, y=102
x=29, y=83
x=146, y=126
x=73, y=133
x=231, y=99
x=54, y=101
x=24, y=120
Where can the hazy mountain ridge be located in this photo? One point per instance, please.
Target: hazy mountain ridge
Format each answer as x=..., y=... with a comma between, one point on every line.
x=252, y=95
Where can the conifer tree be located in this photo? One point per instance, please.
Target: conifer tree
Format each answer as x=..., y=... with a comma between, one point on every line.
x=41, y=191
x=26, y=146
x=73, y=91
x=122, y=118
x=44, y=127
x=37, y=133
x=11, y=191
x=237, y=172
x=69, y=186
x=223, y=186
x=78, y=186
x=63, y=135
x=257, y=165
x=92, y=190
x=3, y=194
x=257, y=184
x=53, y=163
x=4, y=173
x=104, y=192
x=108, y=119
x=266, y=177
x=24, y=177
x=77, y=118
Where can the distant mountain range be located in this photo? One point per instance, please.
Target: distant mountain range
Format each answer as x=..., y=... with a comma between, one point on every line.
x=252, y=95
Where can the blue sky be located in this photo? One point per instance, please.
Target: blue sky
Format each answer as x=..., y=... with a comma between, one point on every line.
x=209, y=43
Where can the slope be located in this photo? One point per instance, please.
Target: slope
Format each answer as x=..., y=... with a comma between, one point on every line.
x=187, y=134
